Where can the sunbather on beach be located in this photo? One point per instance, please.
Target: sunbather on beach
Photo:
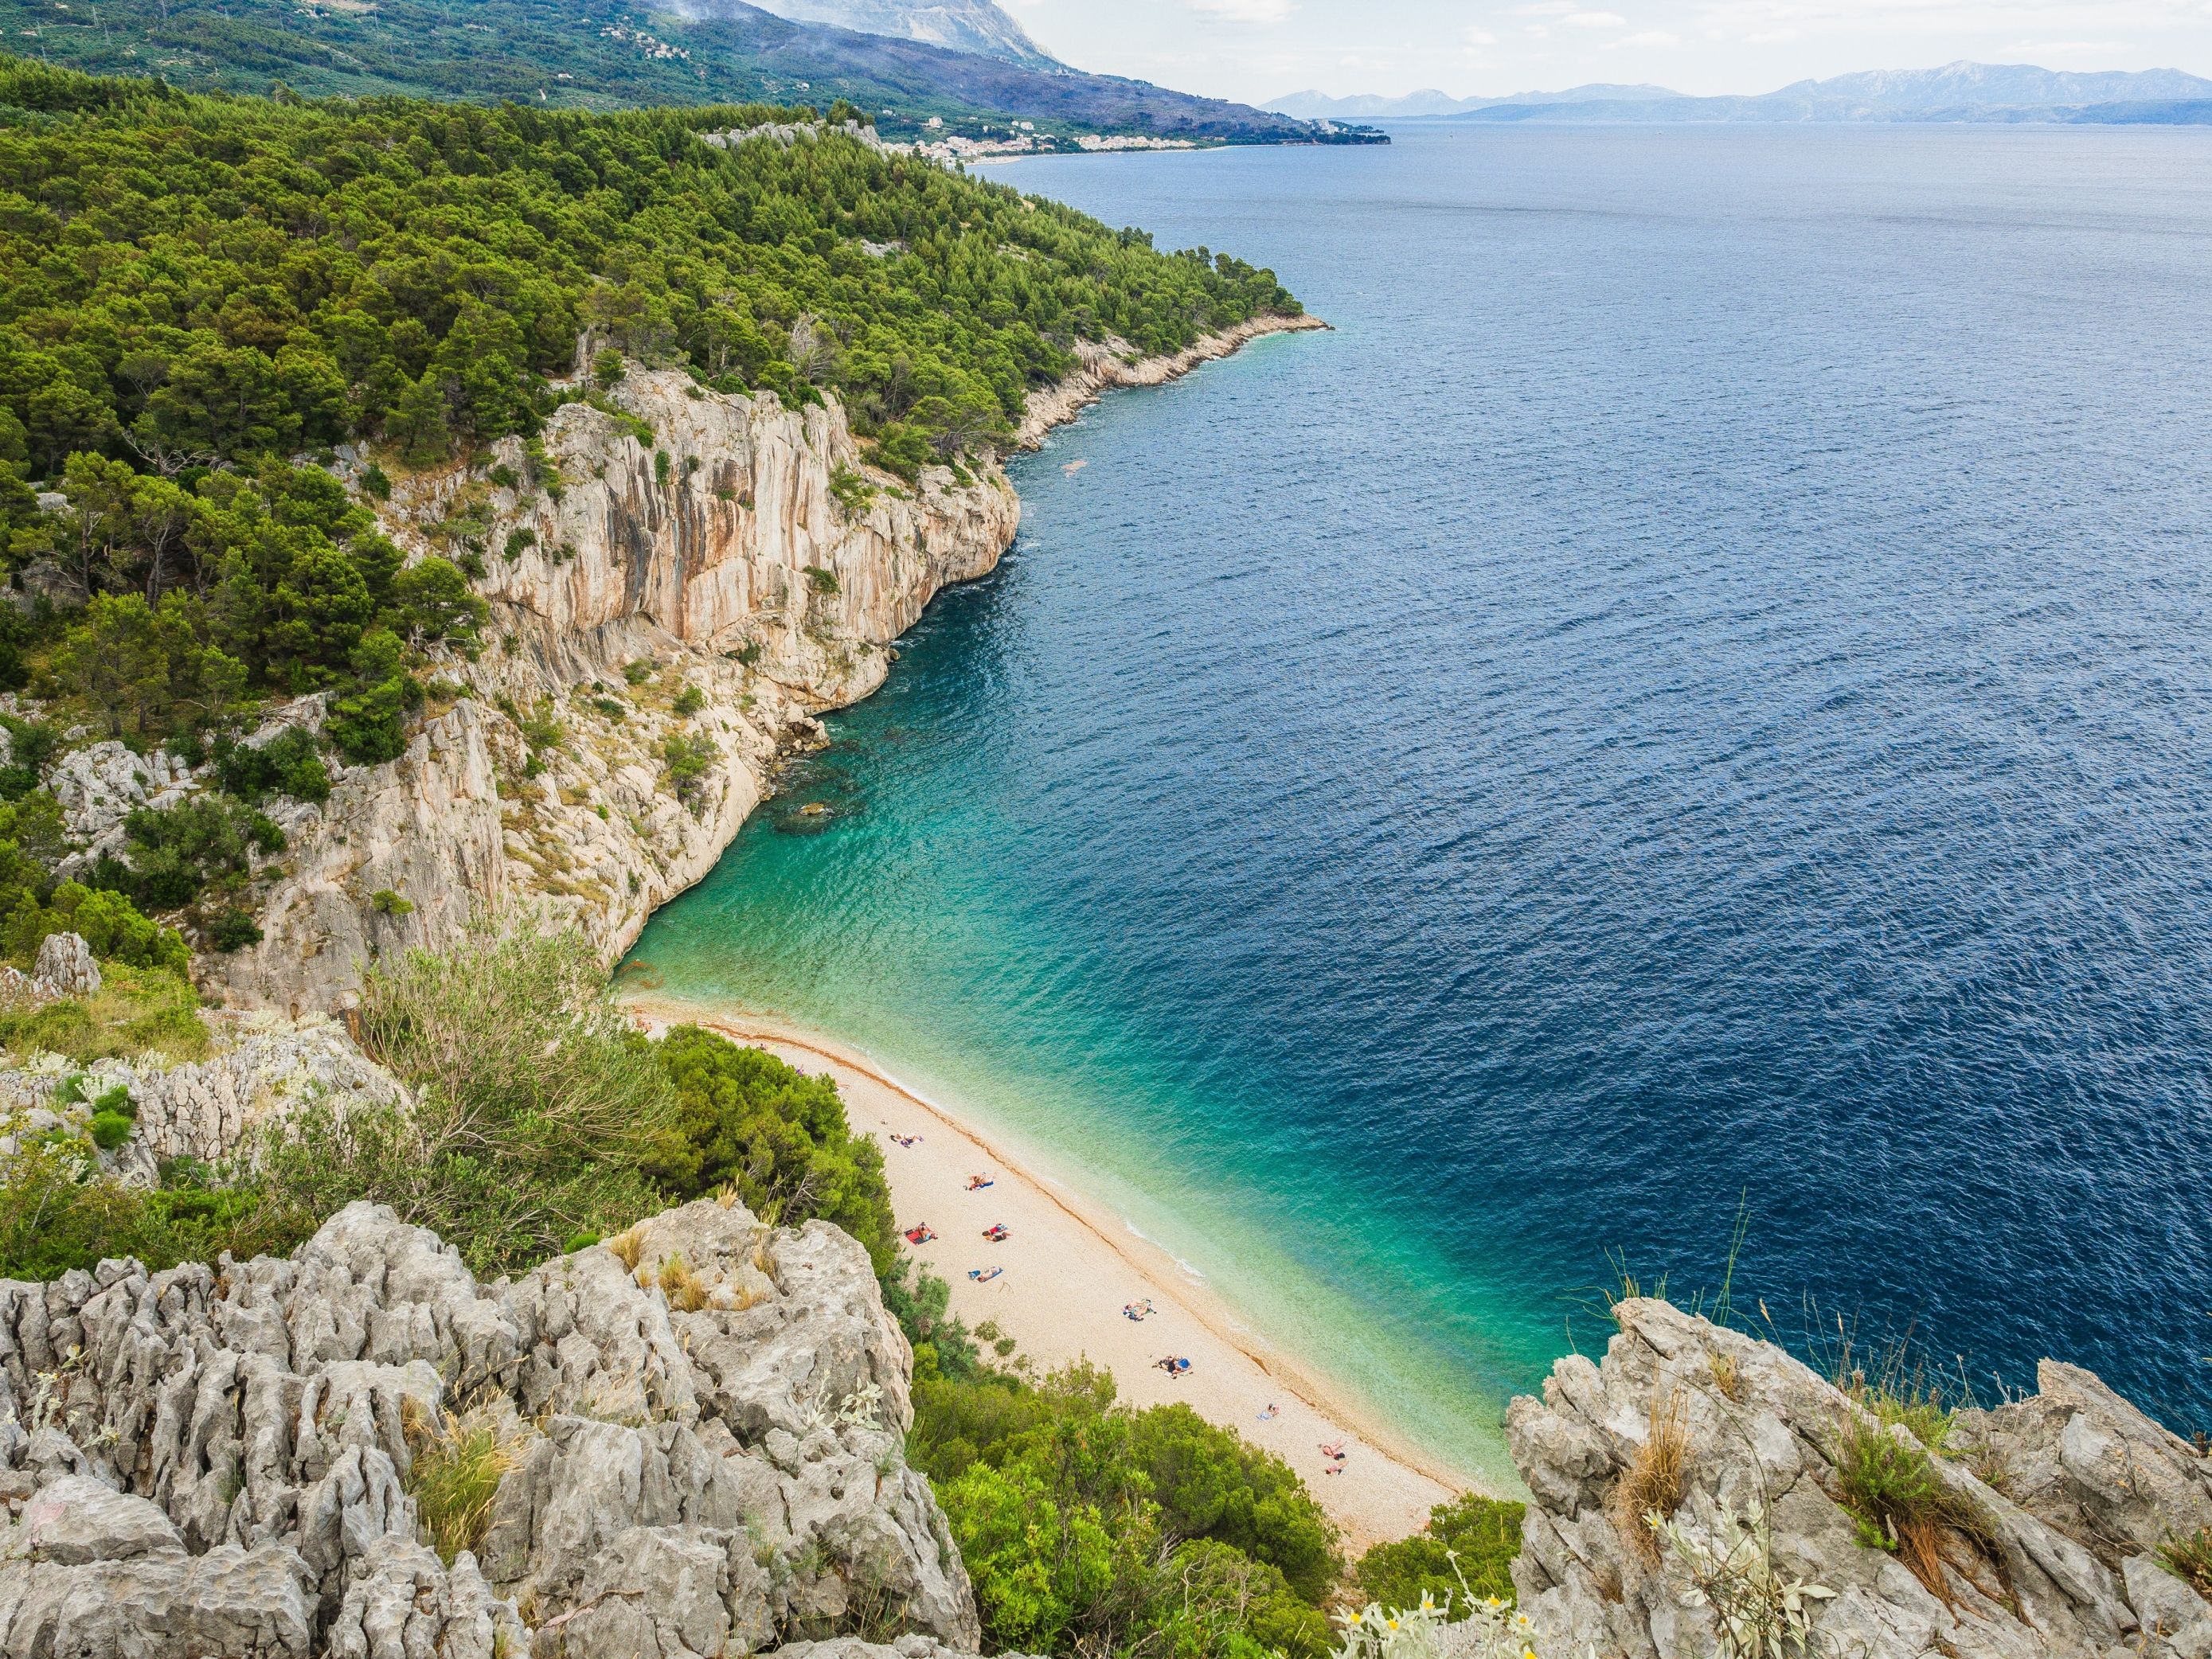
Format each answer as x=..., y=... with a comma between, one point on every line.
x=984, y=1275
x=977, y=1183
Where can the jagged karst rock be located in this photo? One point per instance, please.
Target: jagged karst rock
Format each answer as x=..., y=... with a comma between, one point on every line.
x=202, y=1461
x=64, y=966
x=2076, y=1488
x=264, y=1067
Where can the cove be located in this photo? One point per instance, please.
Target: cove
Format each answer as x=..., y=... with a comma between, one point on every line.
x=1695, y=697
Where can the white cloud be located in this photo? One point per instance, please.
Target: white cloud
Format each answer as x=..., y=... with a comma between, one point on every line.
x=1596, y=19
x=1652, y=38
x=1244, y=11
x=1477, y=37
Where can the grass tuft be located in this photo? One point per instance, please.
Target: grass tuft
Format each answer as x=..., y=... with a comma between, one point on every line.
x=1655, y=1482
x=627, y=1247
x=686, y=1292
x=2189, y=1559
x=1901, y=1505
x=458, y=1466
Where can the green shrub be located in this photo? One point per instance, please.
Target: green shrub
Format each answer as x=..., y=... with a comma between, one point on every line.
x=172, y=855
x=820, y=579
x=1483, y=1533
x=745, y=1119
x=58, y=1213
x=289, y=763
x=117, y=1100
x=233, y=930
x=110, y=1130
x=689, y=701
x=688, y=761
x=1086, y=1526
x=638, y=672
x=537, y=1103
x=851, y=490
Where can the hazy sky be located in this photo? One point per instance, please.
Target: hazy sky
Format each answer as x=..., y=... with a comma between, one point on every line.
x=1258, y=49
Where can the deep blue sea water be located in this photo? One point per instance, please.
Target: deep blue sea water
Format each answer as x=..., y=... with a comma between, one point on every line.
x=1698, y=692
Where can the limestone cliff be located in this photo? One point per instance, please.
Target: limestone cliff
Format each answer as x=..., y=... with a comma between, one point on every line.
x=708, y=569
x=716, y=564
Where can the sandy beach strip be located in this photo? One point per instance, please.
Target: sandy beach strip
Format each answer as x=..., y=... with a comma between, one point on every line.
x=1068, y=1269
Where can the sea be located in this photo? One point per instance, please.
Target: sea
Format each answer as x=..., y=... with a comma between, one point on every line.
x=1671, y=749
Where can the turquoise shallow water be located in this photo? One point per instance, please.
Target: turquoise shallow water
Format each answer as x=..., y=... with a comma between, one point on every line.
x=1697, y=693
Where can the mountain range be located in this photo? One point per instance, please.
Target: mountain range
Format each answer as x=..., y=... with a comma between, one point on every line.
x=970, y=26
x=1955, y=92
x=600, y=54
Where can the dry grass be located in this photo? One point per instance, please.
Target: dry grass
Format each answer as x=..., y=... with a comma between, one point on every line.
x=686, y=1292
x=1654, y=1483
x=627, y=1248
x=1725, y=1377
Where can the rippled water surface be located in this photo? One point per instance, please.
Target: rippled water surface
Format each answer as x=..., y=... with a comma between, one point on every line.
x=1698, y=692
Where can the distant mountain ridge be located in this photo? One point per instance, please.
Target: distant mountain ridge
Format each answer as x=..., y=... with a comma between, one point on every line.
x=595, y=54
x=970, y=26
x=1311, y=105
x=1955, y=92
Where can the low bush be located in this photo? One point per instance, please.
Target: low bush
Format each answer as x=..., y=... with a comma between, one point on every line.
x=537, y=1104
x=1088, y=1526
x=174, y=855
x=288, y=764
x=743, y=1118
x=1483, y=1535
x=59, y=1213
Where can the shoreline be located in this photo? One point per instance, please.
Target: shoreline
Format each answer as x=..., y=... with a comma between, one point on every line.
x=1071, y=1266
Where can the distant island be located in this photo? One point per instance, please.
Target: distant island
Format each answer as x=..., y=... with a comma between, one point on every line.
x=1957, y=92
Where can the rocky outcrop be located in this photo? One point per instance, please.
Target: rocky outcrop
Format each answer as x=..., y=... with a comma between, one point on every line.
x=233, y=1460
x=263, y=1067
x=1116, y=366
x=2059, y=1503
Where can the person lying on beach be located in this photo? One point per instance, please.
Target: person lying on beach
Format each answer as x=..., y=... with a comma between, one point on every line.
x=998, y=1235
x=920, y=1235
x=1173, y=1365
x=904, y=1140
x=1139, y=1311
x=1268, y=1415
x=1334, y=1453
x=977, y=1183
x=984, y=1275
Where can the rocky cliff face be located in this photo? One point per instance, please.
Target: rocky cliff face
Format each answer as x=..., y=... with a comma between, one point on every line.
x=227, y=1459
x=2057, y=1506
x=717, y=561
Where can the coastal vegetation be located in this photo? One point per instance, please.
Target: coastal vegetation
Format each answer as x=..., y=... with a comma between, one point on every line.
x=540, y=1121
